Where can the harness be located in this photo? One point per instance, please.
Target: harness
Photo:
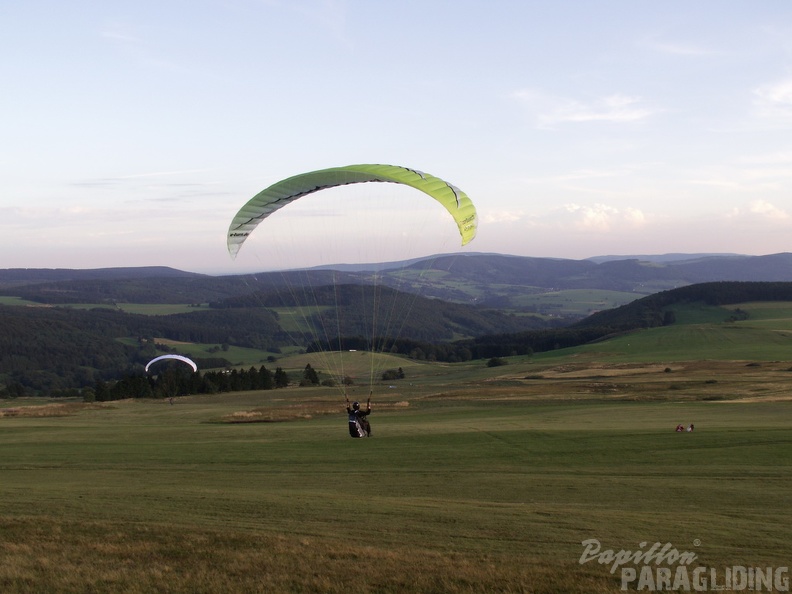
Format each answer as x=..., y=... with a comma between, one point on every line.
x=356, y=428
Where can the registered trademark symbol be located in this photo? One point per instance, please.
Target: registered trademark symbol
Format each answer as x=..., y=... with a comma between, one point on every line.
x=696, y=542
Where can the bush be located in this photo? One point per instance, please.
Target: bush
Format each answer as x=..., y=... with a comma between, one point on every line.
x=89, y=395
x=496, y=362
x=393, y=374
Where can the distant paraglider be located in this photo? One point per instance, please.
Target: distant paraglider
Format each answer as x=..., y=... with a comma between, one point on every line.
x=182, y=358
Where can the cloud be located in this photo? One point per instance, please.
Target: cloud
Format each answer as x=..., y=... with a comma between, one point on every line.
x=634, y=216
x=120, y=37
x=615, y=108
x=765, y=174
x=136, y=48
x=777, y=158
x=718, y=182
x=603, y=217
x=597, y=217
x=155, y=186
x=162, y=173
x=502, y=216
x=766, y=209
x=760, y=209
x=774, y=101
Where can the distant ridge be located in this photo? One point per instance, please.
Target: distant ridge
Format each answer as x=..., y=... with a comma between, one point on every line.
x=488, y=280
x=42, y=275
x=663, y=258
x=423, y=261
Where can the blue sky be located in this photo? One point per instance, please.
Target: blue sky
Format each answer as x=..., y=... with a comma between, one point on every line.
x=132, y=131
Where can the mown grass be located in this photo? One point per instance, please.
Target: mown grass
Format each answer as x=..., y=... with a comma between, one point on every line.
x=479, y=487
x=477, y=479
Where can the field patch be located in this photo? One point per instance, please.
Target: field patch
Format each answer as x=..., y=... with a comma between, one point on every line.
x=49, y=410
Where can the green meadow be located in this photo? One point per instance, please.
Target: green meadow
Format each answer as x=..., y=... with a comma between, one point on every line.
x=477, y=479
x=580, y=302
x=149, y=309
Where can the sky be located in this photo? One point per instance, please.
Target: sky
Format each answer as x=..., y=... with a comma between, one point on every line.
x=133, y=130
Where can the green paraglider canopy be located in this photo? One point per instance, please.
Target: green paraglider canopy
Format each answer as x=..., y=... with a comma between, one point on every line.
x=278, y=195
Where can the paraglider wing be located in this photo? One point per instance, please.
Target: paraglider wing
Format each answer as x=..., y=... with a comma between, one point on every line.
x=286, y=191
x=177, y=357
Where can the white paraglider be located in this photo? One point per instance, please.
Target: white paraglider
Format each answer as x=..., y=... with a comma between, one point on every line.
x=182, y=358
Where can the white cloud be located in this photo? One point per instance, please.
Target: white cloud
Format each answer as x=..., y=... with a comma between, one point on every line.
x=774, y=101
x=766, y=209
x=139, y=49
x=119, y=36
x=777, y=158
x=634, y=216
x=578, y=175
x=603, y=217
x=502, y=216
x=720, y=183
x=759, y=209
x=768, y=173
x=615, y=108
x=598, y=216
x=162, y=173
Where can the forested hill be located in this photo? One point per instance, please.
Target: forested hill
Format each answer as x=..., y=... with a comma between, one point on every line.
x=627, y=274
x=25, y=276
x=359, y=310
x=648, y=312
x=50, y=349
x=47, y=349
x=490, y=279
x=657, y=309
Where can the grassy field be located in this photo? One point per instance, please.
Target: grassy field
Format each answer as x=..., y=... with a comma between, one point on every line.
x=476, y=480
x=148, y=309
x=576, y=302
x=464, y=488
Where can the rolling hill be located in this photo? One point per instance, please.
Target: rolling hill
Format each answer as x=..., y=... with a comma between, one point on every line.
x=51, y=348
x=654, y=311
x=460, y=307
x=493, y=280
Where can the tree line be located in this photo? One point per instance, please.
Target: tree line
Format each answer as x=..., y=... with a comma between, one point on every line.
x=174, y=382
